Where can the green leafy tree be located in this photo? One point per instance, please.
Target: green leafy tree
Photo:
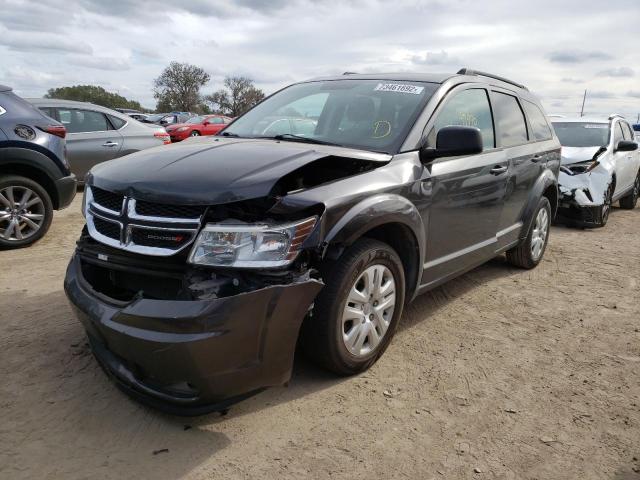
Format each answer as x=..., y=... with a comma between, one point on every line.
x=178, y=87
x=238, y=95
x=93, y=94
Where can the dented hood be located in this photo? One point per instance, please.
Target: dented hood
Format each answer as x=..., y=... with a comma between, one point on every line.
x=572, y=155
x=212, y=170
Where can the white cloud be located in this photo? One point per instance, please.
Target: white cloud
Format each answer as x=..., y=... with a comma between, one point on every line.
x=558, y=49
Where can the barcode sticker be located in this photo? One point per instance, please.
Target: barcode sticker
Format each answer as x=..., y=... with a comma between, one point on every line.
x=399, y=88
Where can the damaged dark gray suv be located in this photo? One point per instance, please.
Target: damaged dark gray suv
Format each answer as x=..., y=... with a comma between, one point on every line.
x=311, y=220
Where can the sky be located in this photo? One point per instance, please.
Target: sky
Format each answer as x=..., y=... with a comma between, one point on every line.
x=558, y=48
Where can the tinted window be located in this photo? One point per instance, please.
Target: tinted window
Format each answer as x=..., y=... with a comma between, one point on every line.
x=215, y=120
x=469, y=108
x=79, y=121
x=582, y=134
x=540, y=129
x=509, y=119
x=117, y=123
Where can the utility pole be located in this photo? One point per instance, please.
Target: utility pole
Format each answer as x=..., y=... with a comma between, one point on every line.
x=584, y=99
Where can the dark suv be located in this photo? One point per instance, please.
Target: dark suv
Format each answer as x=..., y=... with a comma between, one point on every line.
x=34, y=176
x=203, y=264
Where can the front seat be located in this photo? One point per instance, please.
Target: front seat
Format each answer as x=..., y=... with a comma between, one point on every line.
x=360, y=118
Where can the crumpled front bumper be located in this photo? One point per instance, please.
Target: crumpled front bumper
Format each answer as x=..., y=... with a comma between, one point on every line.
x=582, y=196
x=193, y=357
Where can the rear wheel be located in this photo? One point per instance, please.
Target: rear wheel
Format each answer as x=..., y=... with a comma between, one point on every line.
x=195, y=133
x=25, y=212
x=357, y=312
x=629, y=201
x=529, y=253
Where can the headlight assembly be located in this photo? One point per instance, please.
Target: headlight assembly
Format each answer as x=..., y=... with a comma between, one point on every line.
x=182, y=129
x=250, y=245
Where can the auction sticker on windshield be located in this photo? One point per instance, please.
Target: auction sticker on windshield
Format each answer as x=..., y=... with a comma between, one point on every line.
x=398, y=87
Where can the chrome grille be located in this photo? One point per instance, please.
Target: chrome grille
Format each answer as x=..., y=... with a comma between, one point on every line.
x=156, y=229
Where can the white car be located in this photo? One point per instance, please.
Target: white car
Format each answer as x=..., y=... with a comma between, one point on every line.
x=600, y=165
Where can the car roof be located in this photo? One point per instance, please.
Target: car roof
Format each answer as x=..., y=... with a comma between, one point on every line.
x=463, y=75
x=580, y=120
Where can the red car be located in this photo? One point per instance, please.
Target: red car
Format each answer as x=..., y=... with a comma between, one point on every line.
x=196, y=126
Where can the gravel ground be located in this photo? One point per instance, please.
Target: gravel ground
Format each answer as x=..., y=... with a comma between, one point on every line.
x=501, y=373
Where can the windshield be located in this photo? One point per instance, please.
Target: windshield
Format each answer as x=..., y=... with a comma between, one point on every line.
x=582, y=134
x=156, y=117
x=198, y=119
x=368, y=114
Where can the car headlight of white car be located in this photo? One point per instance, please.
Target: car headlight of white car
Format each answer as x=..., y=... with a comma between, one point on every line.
x=250, y=245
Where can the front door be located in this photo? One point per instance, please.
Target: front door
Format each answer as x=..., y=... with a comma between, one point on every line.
x=467, y=192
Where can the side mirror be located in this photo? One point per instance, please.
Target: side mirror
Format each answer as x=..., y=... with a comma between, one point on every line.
x=626, y=146
x=453, y=141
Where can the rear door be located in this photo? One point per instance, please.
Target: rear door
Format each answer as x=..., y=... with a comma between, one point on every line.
x=632, y=159
x=526, y=153
x=214, y=125
x=467, y=191
x=91, y=139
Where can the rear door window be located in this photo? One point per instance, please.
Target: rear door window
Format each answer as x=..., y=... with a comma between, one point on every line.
x=117, y=122
x=469, y=108
x=540, y=129
x=83, y=121
x=510, y=123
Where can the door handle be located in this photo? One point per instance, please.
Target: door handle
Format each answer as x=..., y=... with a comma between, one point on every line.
x=536, y=158
x=497, y=170
x=110, y=144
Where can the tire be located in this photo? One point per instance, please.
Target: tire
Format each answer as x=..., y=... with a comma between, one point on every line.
x=325, y=333
x=605, y=209
x=195, y=133
x=18, y=225
x=525, y=255
x=629, y=201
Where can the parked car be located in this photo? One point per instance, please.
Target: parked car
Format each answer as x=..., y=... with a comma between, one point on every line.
x=600, y=165
x=200, y=263
x=636, y=130
x=169, y=118
x=97, y=134
x=141, y=117
x=197, y=126
x=35, y=178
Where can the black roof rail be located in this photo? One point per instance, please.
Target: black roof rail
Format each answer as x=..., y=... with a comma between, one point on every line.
x=4, y=88
x=468, y=71
x=350, y=73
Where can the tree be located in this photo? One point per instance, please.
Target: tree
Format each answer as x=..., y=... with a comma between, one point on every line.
x=178, y=87
x=238, y=95
x=92, y=94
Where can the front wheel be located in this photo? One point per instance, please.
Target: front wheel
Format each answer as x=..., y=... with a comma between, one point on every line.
x=529, y=253
x=629, y=201
x=357, y=312
x=25, y=212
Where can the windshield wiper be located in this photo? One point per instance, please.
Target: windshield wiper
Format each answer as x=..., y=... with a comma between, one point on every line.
x=300, y=138
x=229, y=134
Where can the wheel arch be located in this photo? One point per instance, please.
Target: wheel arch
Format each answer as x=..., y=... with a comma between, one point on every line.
x=545, y=186
x=33, y=172
x=391, y=219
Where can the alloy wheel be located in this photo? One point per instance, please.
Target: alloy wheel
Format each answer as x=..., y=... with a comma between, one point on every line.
x=368, y=310
x=606, y=206
x=539, y=235
x=22, y=213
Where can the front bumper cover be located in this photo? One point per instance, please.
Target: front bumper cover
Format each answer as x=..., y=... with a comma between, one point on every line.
x=193, y=357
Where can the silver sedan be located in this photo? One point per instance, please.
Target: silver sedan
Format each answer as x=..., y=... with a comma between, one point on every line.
x=96, y=134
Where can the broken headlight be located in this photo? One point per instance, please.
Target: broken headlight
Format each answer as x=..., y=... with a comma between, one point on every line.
x=250, y=245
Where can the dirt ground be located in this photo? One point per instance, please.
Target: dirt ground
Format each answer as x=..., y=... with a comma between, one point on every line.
x=501, y=374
